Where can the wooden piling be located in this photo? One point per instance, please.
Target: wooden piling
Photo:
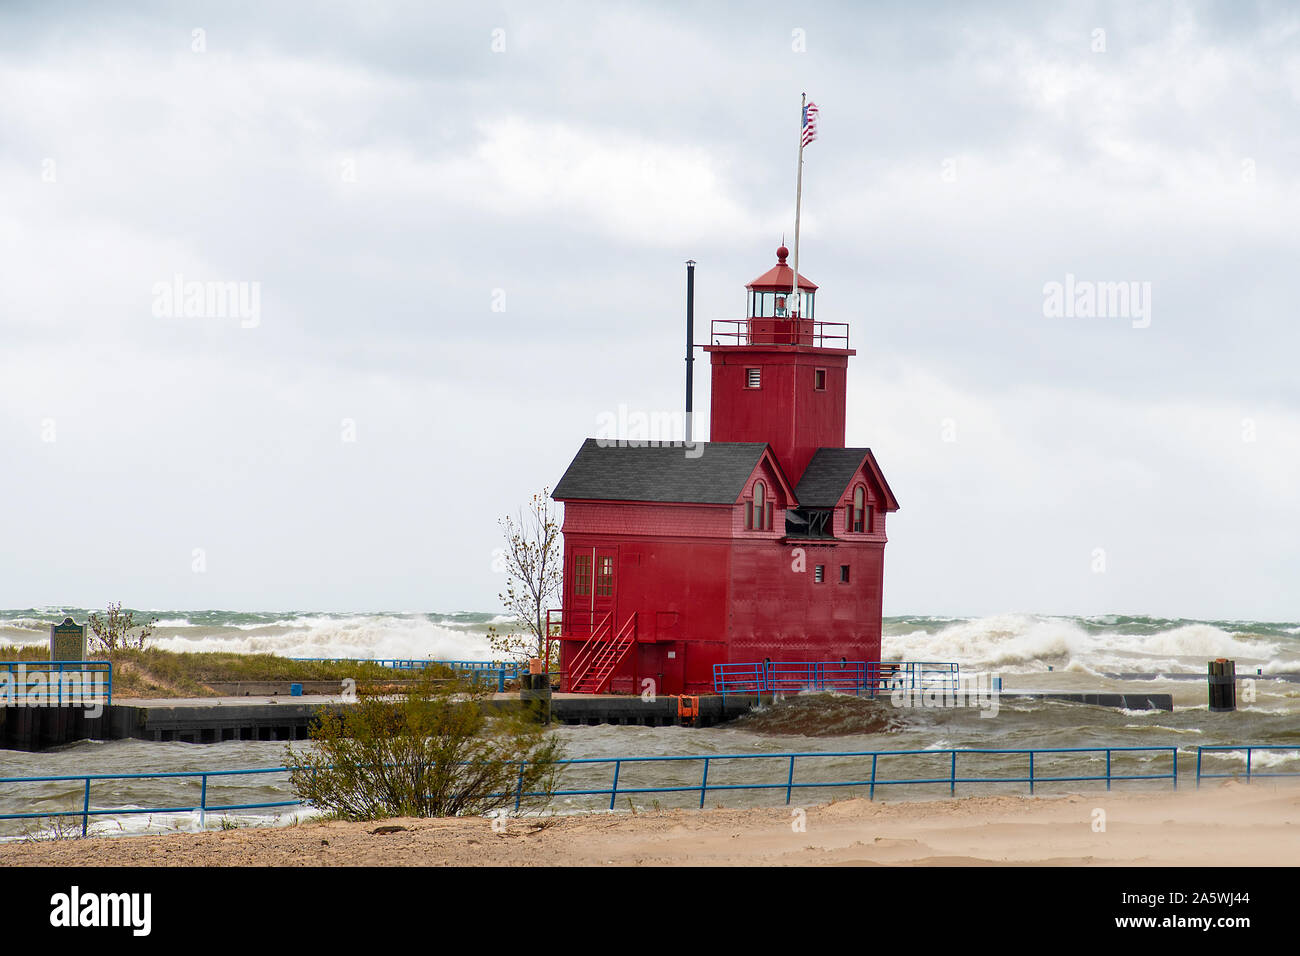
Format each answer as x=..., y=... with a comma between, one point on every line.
x=1222, y=682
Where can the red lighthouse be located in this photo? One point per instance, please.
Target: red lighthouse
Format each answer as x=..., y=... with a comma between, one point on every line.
x=779, y=375
x=766, y=542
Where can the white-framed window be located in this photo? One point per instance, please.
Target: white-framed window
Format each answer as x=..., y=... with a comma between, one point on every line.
x=759, y=509
x=858, y=517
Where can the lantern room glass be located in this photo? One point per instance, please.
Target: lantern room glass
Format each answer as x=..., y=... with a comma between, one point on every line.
x=778, y=305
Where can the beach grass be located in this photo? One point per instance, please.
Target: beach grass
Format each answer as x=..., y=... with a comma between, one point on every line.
x=158, y=673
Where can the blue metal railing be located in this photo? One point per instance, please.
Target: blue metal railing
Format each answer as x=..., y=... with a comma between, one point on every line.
x=1249, y=749
x=203, y=807
x=416, y=663
x=478, y=670
x=874, y=780
x=855, y=677
x=56, y=683
x=1029, y=772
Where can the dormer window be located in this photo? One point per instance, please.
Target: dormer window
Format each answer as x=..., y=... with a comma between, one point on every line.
x=758, y=511
x=859, y=516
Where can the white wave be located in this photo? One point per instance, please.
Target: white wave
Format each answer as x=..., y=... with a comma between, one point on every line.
x=138, y=824
x=363, y=636
x=1172, y=730
x=1204, y=640
x=1279, y=667
x=21, y=641
x=1079, y=667
x=1259, y=759
x=26, y=624
x=1027, y=643
x=1257, y=709
x=992, y=642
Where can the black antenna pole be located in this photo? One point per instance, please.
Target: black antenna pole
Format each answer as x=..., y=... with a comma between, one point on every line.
x=690, y=346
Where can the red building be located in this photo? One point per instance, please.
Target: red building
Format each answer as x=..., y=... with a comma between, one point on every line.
x=766, y=542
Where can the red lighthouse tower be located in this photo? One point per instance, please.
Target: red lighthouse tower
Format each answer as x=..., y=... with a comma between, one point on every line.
x=779, y=375
x=766, y=542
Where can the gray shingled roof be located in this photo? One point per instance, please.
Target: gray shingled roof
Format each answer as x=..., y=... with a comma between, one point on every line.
x=828, y=475
x=649, y=473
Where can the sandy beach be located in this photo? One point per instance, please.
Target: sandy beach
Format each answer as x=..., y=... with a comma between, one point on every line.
x=1255, y=824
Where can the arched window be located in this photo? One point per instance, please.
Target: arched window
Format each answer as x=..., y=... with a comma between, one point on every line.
x=761, y=509
x=858, y=514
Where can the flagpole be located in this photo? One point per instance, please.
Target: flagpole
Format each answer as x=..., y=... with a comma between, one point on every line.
x=798, y=202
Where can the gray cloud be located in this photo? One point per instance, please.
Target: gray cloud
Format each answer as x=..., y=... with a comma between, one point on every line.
x=381, y=173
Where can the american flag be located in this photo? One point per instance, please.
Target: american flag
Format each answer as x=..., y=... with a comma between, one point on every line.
x=809, y=123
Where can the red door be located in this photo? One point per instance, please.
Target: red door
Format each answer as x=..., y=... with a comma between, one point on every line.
x=603, y=591
x=673, y=665
x=592, y=589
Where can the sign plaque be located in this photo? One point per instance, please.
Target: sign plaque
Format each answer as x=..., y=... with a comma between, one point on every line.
x=67, y=641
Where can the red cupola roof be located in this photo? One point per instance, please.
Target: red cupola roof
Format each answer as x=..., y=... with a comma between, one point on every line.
x=778, y=278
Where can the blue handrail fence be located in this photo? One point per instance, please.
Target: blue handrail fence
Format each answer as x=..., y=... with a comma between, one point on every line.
x=1242, y=752
x=500, y=671
x=604, y=781
x=55, y=683
x=82, y=791
x=417, y=663
x=846, y=677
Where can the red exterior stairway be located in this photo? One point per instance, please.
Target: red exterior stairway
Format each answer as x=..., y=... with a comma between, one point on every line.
x=601, y=655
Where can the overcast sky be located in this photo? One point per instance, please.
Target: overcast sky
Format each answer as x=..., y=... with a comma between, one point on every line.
x=466, y=224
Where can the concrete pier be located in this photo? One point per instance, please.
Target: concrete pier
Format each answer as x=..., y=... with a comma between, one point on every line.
x=1290, y=676
x=210, y=720
x=201, y=720
x=279, y=716
x=593, y=709
x=214, y=720
x=39, y=728
x=1126, y=700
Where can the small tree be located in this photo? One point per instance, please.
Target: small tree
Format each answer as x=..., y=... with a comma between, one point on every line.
x=112, y=632
x=431, y=753
x=533, y=563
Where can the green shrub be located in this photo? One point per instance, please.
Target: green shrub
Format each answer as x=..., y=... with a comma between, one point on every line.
x=432, y=752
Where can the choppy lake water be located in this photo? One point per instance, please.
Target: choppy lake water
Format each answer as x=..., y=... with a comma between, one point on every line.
x=1028, y=651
